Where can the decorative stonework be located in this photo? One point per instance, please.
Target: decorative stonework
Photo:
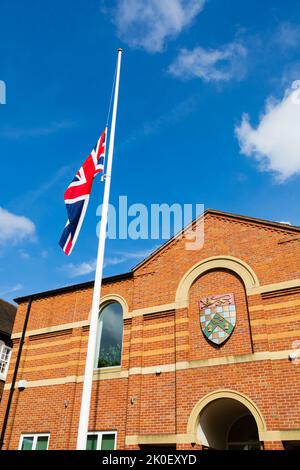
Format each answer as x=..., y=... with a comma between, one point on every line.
x=218, y=317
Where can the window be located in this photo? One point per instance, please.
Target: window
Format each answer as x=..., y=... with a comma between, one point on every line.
x=5, y=352
x=101, y=441
x=110, y=336
x=34, y=442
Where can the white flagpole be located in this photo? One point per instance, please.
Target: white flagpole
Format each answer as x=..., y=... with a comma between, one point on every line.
x=89, y=366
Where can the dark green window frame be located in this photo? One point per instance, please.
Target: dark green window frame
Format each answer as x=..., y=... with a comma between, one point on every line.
x=101, y=440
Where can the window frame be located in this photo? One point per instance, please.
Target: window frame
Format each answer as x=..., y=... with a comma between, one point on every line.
x=4, y=346
x=99, y=336
x=101, y=434
x=35, y=438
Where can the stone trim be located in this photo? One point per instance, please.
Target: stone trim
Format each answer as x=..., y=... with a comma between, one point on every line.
x=152, y=369
x=47, y=382
x=100, y=374
x=52, y=329
x=159, y=439
x=117, y=372
x=282, y=435
x=155, y=339
x=276, y=321
x=275, y=287
x=155, y=309
x=181, y=302
x=193, y=421
x=242, y=269
x=274, y=336
x=114, y=298
x=51, y=355
x=155, y=439
x=280, y=305
x=227, y=360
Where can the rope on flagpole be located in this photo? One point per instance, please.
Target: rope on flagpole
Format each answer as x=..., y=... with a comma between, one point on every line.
x=102, y=178
x=111, y=96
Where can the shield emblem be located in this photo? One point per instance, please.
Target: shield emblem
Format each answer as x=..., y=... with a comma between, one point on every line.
x=218, y=317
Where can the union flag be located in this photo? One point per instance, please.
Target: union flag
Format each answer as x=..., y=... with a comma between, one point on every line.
x=78, y=193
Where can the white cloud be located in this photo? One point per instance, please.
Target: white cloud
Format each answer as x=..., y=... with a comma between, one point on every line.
x=24, y=255
x=291, y=73
x=12, y=289
x=81, y=269
x=165, y=120
x=275, y=142
x=148, y=24
x=123, y=256
x=15, y=228
x=211, y=65
x=87, y=267
x=29, y=198
x=21, y=132
x=287, y=35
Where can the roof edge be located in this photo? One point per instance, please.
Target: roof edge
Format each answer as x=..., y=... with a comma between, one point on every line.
x=130, y=274
x=270, y=223
x=280, y=225
x=82, y=285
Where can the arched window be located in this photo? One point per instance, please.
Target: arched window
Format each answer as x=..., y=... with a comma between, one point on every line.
x=110, y=335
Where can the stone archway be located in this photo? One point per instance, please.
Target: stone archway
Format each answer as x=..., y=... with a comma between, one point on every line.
x=222, y=415
x=227, y=424
x=242, y=269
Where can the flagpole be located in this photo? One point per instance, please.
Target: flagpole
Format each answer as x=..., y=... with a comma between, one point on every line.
x=89, y=366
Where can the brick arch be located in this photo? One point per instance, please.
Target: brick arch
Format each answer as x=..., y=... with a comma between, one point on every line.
x=242, y=269
x=234, y=395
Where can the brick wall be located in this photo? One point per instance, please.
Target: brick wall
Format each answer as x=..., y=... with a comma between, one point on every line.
x=168, y=365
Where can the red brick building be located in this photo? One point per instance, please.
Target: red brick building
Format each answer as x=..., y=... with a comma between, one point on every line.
x=195, y=349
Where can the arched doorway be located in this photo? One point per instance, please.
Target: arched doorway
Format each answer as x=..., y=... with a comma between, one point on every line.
x=226, y=423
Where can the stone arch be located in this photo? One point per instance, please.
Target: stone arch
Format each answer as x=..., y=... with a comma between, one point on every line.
x=114, y=298
x=242, y=269
x=194, y=418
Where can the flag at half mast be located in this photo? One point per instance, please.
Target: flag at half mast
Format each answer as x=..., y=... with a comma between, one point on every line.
x=78, y=193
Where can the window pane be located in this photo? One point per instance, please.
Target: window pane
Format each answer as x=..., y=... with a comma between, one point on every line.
x=111, y=318
x=5, y=354
x=42, y=443
x=27, y=443
x=4, y=358
x=91, y=443
x=108, y=442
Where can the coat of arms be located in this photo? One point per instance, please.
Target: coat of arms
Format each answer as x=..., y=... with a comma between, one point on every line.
x=218, y=317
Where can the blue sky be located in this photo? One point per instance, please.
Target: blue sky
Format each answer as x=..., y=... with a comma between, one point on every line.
x=205, y=115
